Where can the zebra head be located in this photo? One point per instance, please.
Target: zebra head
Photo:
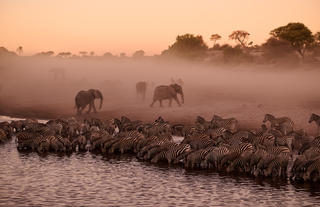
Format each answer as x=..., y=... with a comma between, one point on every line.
x=268, y=117
x=314, y=117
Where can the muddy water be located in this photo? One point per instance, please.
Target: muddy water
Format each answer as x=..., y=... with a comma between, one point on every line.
x=27, y=179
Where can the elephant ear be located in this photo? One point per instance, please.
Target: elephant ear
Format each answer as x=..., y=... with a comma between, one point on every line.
x=92, y=92
x=172, y=90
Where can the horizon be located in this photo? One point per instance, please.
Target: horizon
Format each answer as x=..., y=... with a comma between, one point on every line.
x=74, y=26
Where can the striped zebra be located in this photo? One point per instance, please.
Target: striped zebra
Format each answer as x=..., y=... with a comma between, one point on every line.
x=214, y=157
x=152, y=152
x=313, y=171
x=195, y=158
x=238, y=165
x=3, y=136
x=316, y=119
x=267, y=139
x=216, y=132
x=284, y=124
x=243, y=150
x=79, y=143
x=204, y=123
x=285, y=141
x=127, y=143
x=230, y=124
x=199, y=142
x=25, y=140
x=172, y=154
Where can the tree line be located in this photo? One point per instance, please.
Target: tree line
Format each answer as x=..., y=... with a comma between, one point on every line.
x=293, y=41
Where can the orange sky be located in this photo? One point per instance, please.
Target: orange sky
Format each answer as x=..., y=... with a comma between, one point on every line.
x=128, y=25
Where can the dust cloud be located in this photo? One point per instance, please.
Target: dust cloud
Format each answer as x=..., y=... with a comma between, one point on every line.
x=31, y=87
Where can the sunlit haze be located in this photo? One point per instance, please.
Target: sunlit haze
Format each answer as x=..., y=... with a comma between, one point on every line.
x=126, y=26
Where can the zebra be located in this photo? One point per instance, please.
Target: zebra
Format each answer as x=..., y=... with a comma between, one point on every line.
x=316, y=119
x=313, y=171
x=201, y=121
x=214, y=157
x=172, y=154
x=3, y=135
x=284, y=124
x=81, y=142
x=230, y=124
x=243, y=150
x=195, y=158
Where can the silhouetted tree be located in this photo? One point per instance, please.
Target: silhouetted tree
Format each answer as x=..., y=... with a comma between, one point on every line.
x=214, y=38
x=299, y=36
x=187, y=46
x=317, y=38
x=20, y=50
x=4, y=52
x=64, y=54
x=278, y=50
x=92, y=53
x=83, y=53
x=107, y=55
x=240, y=36
x=138, y=54
x=44, y=54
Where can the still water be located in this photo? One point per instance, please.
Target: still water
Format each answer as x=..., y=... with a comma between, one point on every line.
x=86, y=179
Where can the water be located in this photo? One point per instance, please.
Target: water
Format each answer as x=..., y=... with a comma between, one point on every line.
x=86, y=179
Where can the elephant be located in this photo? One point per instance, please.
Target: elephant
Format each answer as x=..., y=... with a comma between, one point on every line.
x=141, y=88
x=167, y=92
x=83, y=98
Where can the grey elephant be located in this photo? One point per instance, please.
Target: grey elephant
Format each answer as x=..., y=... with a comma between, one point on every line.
x=141, y=88
x=83, y=98
x=167, y=92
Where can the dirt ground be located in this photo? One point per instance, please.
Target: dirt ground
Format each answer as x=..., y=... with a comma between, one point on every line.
x=28, y=90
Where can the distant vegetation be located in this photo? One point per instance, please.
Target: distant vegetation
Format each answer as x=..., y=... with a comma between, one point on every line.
x=288, y=44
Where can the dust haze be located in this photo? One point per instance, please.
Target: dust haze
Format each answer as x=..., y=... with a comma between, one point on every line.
x=29, y=87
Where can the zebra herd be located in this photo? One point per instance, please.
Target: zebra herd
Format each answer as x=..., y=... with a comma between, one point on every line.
x=274, y=150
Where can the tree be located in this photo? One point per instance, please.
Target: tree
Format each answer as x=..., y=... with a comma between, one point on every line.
x=240, y=36
x=278, y=50
x=317, y=38
x=83, y=53
x=107, y=55
x=187, y=46
x=299, y=36
x=92, y=53
x=214, y=38
x=138, y=54
x=20, y=50
x=64, y=54
x=44, y=54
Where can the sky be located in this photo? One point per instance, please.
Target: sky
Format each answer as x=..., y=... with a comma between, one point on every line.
x=129, y=25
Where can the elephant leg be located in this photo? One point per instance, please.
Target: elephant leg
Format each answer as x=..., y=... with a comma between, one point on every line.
x=94, y=107
x=90, y=106
x=176, y=99
x=170, y=102
x=151, y=105
x=160, y=102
